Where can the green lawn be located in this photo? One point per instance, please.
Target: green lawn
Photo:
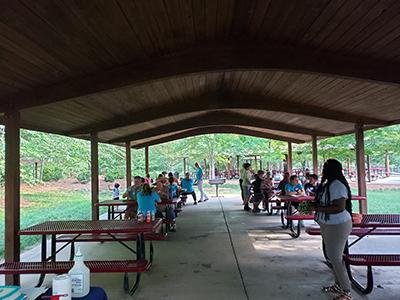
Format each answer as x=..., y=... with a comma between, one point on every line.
x=70, y=205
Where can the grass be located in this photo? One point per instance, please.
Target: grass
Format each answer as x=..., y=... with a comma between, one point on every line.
x=75, y=205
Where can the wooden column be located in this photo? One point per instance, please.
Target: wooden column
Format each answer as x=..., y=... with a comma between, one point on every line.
x=238, y=164
x=387, y=164
x=12, y=192
x=348, y=166
x=94, y=159
x=128, y=164
x=146, y=159
x=255, y=162
x=315, y=154
x=360, y=160
x=289, y=158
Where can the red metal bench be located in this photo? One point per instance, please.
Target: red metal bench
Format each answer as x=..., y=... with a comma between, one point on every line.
x=59, y=267
x=298, y=218
x=369, y=260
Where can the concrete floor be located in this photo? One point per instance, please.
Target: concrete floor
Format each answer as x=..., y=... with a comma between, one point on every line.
x=247, y=257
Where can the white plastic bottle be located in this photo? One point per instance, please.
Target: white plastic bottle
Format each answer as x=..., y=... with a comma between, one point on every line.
x=80, y=276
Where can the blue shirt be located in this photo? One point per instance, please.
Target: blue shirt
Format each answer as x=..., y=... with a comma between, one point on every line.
x=173, y=190
x=187, y=185
x=147, y=202
x=199, y=174
x=293, y=189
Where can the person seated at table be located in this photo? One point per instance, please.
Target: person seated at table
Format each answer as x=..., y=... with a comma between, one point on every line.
x=161, y=189
x=171, y=175
x=294, y=188
x=115, y=191
x=173, y=188
x=333, y=214
x=258, y=195
x=147, y=199
x=267, y=189
x=312, y=185
x=282, y=184
x=131, y=194
x=148, y=179
x=187, y=187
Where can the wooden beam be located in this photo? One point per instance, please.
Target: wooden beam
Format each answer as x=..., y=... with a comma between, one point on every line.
x=315, y=154
x=214, y=129
x=12, y=192
x=128, y=164
x=94, y=155
x=221, y=101
x=290, y=158
x=207, y=57
x=360, y=160
x=220, y=118
x=146, y=159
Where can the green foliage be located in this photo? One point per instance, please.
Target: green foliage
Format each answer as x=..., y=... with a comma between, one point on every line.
x=84, y=177
x=52, y=172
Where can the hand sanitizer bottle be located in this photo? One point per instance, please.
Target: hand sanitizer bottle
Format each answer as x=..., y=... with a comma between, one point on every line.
x=80, y=276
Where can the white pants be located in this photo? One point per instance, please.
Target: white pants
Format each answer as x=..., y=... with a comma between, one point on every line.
x=202, y=193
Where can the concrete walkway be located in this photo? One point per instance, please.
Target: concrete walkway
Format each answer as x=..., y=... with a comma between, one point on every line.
x=221, y=252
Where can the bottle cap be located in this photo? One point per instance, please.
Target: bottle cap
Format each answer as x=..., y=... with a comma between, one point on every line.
x=78, y=251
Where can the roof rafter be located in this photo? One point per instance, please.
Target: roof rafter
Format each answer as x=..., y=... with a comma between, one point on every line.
x=208, y=58
x=216, y=129
x=220, y=118
x=224, y=100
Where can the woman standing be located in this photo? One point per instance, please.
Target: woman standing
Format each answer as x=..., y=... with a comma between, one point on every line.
x=333, y=214
x=246, y=175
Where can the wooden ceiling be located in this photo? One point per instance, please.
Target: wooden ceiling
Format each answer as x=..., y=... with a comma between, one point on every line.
x=153, y=71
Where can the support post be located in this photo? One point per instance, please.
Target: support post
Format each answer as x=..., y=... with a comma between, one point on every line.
x=255, y=162
x=12, y=192
x=94, y=154
x=205, y=167
x=238, y=164
x=348, y=166
x=360, y=160
x=387, y=164
x=289, y=158
x=315, y=154
x=146, y=159
x=128, y=164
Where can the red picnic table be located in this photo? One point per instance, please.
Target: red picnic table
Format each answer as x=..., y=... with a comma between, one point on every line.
x=290, y=213
x=111, y=204
x=110, y=227
x=381, y=224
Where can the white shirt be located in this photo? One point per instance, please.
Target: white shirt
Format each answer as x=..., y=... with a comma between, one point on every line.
x=115, y=193
x=337, y=191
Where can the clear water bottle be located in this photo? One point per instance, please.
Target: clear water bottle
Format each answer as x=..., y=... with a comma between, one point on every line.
x=153, y=216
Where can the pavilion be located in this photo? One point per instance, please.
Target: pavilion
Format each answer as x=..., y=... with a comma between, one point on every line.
x=140, y=73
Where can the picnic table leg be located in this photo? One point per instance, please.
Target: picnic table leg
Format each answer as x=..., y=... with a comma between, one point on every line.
x=53, y=247
x=139, y=255
x=44, y=258
x=286, y=224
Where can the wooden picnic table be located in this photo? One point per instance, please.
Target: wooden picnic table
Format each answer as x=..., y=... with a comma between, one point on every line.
x=111, y=204
x=79, y=227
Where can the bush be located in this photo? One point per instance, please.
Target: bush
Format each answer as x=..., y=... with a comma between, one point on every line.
x=112, y=175
x=52, y=172
x=84, y=177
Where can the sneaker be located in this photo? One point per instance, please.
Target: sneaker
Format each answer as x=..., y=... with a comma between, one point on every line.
x=205, y=199
x=195, y=203
x=334, y=289
x=256, y=210
x=343, y=296
x=247, y=208
x=200, y=201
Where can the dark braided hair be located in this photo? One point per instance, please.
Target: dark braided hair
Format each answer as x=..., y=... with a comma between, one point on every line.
x=332, y=171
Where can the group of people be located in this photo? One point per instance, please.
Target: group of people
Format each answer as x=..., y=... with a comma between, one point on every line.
x=331, y=206
x=258, y=187
x=147, y=193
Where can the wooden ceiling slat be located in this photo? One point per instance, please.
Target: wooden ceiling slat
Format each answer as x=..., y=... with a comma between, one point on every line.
x=224, y=18
x=199, y=19
x=348, y=25
x=362, y=25
x=384, y=24
x=322, y=21
x=211, y=8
